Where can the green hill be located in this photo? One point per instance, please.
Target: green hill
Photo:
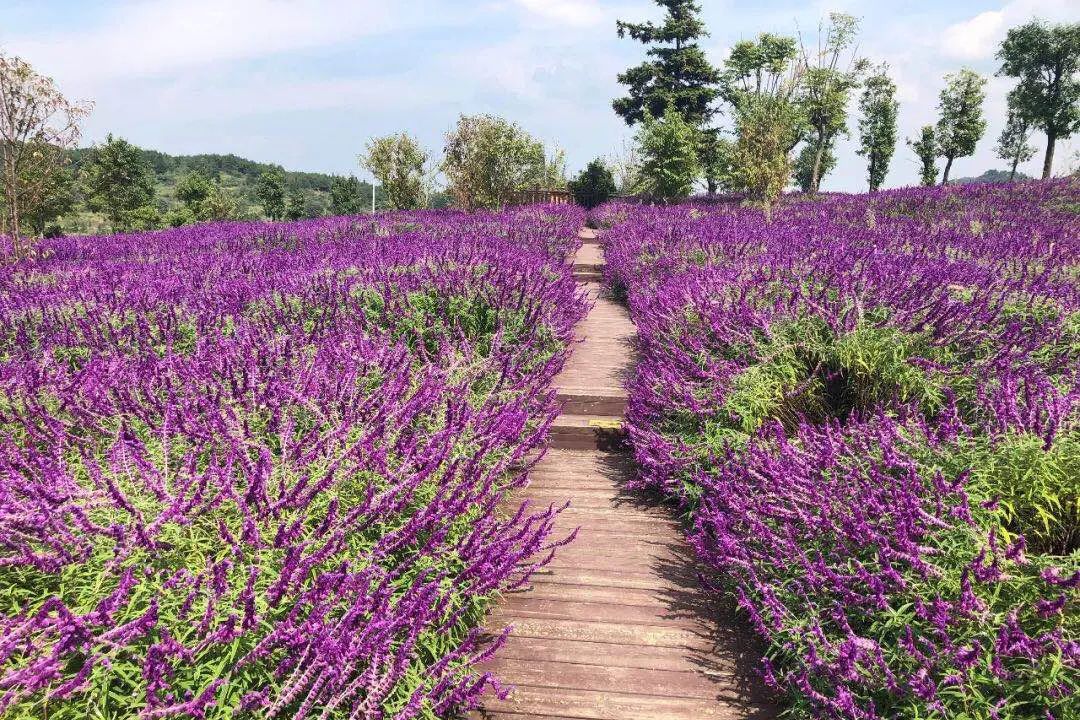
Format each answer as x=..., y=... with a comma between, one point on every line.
x=238, y=175
x=990, y=176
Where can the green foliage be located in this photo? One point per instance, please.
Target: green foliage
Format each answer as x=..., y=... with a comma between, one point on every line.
x=193, y=190
x=767, y=128
x=1013, y=144
x=57, y=196
x=762, y=67
x=877, y=125
x=487, y=160
x=716, y=155
x=825, y=88
x=119, y=183
x=593, y=186
x=926, y=149
x=807, y=160
x=1034, y=490
x=1045, y=60
x=294, y=206
x=348, y=196
x=271, y=192
x=668, y=148
x=805, y=369
x=400, y=165
x=960, y=122
x=677, y=73
x=204, y=199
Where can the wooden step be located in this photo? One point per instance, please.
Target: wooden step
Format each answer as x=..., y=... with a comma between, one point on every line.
x=597, y=402
x=587, y=432
x=588, y=276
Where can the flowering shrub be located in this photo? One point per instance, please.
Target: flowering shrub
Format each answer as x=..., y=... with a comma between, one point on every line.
x=870, y=412
x=254, y=470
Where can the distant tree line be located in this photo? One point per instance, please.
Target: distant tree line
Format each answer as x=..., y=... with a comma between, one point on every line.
x=786, y=101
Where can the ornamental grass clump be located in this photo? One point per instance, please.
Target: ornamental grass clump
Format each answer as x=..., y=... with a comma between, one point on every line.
x=870, y=413
x=260, y=470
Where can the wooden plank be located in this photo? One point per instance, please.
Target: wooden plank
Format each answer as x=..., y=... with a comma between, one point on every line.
x=663, y=635
x=612, y=705
x=654, y=596
x=646, y=657
x=529, y=606
x=641, y=681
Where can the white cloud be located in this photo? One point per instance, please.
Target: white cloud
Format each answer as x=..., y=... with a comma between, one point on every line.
x=976, y=38
x=576, y=13
x=138, y=39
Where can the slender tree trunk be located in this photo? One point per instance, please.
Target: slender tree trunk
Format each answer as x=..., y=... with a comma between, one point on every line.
x=873, y=167
x=815, y=179
x=945, y=175
x=1012, y=173
x=1048, y=159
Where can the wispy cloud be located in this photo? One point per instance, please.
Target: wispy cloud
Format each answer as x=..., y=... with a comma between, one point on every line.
x=576, y=13
x=139, y=39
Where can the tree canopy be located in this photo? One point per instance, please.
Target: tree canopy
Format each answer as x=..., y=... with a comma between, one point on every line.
x=488, y=160
x=877, y=125
x=669, y=161
x=1045, y=59
x=401, y=167
x=825, y=88
x=120, y=184
x=960, y=122
x=677, y=73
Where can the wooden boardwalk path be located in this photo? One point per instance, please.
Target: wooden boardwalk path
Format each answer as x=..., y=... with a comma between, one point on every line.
x=615, y=627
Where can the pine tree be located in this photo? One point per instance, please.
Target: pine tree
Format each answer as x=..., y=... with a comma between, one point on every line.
x=677, y=73
x=877, y=126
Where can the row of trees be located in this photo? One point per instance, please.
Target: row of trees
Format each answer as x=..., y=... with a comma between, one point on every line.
x=486, y=162
x=781, y=93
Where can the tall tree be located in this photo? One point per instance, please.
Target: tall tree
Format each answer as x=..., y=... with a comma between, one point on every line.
x=877, y=125
x=271, y=192
x=295, y=204
x=669, y=161
x=767, y=129
x=760, y=80
x=347, y=196
x=120, y=184
x=400, y=165
x=1013, y=145
x=37, y=127
x=488, y=160
x=677, y=74
x=926, y=149
x=1046, y=61
x=960, y=122
x=826, y=87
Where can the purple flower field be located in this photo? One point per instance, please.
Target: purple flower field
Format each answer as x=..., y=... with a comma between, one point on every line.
x=869, y=412
x=255, y=470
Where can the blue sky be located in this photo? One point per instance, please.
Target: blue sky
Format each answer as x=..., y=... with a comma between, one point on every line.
x=305, y=83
